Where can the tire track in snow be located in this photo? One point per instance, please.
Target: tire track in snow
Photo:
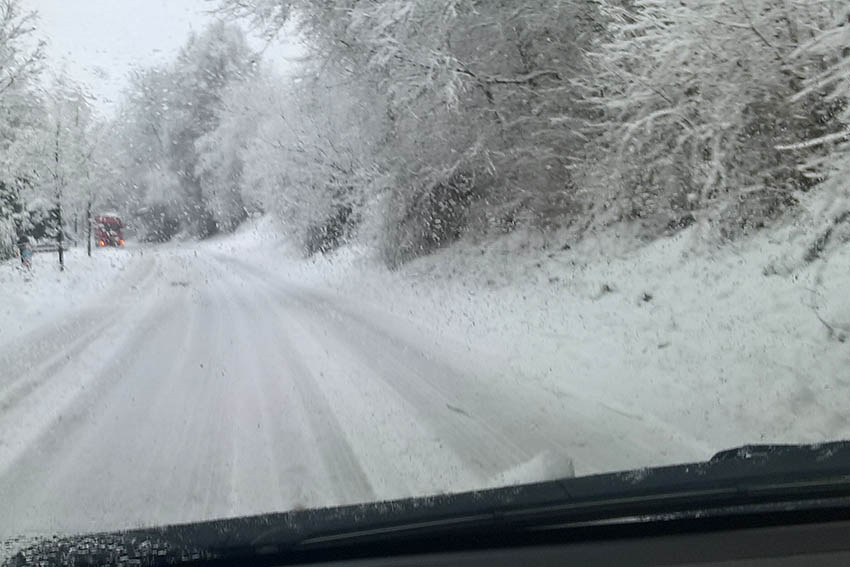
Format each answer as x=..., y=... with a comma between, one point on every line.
x=254, y=447
x=421, y=383
x=32, y=359
x=30, y=379
x=401, y=367
x=345, y=473
x=285, y=461
x=64, y=474
x=527, y=415
x=40, y=412
x=390, y=446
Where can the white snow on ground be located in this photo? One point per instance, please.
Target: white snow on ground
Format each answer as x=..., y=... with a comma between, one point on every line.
x=197, y=381
x=33, y=298
x=696, y=339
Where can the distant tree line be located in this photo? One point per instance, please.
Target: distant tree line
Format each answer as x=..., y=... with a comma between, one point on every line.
x=50, y=168
x=414, y=122
x=409, y=124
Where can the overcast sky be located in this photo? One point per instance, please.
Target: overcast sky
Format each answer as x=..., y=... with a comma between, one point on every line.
x=99, y=42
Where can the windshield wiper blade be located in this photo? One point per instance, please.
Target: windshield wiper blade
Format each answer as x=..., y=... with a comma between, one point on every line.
x=744, y=480
x=755, y=479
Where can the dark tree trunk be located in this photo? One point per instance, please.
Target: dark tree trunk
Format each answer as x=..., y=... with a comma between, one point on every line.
x=60, y=236
x=88, y=228
x=60, y=239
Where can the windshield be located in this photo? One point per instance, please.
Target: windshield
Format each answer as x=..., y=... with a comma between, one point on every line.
x=394, y=248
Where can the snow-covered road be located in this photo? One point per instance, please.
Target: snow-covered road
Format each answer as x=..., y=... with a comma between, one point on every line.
x=202, y=386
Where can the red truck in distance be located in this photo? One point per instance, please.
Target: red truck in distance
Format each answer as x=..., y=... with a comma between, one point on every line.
x=107, y=231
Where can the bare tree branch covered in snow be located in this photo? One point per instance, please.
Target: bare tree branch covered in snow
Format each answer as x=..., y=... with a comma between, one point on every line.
x=485, y=95
x=163, y=124
x=830, y=206
x=411, y=124
x=20, y=65
x=697, y=96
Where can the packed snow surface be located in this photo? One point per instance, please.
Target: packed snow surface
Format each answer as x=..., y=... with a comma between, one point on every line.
x=155, y=385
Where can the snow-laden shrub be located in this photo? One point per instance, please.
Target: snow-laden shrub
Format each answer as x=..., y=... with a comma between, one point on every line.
x=697, y=96
x=829, y=206
x=434, y=218
x=157, y=223
x=332, y=232
x=8, y=239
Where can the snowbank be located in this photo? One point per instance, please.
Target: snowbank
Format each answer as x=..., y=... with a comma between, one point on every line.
x=699, y=341
x=30, y=299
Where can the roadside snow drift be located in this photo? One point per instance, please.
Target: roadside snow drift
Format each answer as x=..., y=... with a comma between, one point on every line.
x=708, y=344
x=232, y=377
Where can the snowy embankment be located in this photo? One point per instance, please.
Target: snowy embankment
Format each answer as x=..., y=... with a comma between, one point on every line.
x=693, y=339
x=33, y=299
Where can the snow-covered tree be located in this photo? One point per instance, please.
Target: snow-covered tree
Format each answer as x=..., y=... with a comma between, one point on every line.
x=825, y=57
x=558, y=112
x=478, y=101
x=167, y=114
x=205, y=67
x=697, y=95
x=140, y=150
x=299, y=149
x=60, y=152
x=21, y=59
